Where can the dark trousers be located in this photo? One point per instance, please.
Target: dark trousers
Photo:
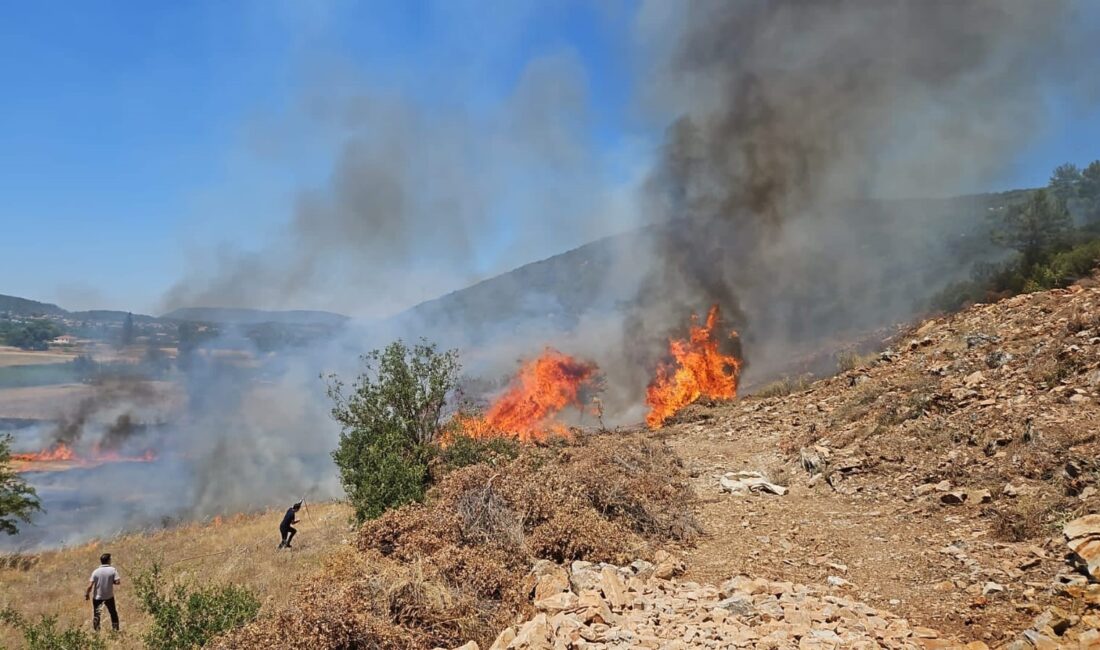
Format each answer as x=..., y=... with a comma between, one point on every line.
x=288, y=534
x=110, y=603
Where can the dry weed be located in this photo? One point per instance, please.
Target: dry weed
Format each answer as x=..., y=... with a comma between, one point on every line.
x=452, y=569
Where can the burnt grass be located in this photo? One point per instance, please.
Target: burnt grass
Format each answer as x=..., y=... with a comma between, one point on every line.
x=455, y=568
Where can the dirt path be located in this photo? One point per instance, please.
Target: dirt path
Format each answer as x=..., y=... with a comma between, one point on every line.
x=895, y=552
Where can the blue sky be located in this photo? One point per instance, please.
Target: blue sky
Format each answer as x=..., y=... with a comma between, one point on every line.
x=137, y=136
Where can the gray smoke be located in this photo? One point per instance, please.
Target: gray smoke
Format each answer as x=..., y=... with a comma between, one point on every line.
x=791, y=117
x=423, y=199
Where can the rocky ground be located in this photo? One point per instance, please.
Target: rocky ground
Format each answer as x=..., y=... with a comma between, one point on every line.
x=641, y=606
x=951, y=479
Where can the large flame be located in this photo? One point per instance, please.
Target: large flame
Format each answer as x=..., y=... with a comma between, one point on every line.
x=698, y=369
x=61, y=457
x=543, y=387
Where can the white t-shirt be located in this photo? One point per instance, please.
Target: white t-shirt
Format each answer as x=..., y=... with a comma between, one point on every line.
x=104, y=580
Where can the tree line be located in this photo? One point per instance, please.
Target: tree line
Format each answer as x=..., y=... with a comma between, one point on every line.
x=1053, y=234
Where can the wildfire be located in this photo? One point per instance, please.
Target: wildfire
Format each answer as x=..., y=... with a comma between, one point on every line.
x=698, y=369
x=60, y=451
x=543, y=387
x=61, y=456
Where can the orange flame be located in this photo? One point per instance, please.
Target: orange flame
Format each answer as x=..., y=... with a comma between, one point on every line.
x=60, y=451
x=61, y=456
x=543, y=387
x=698, y=369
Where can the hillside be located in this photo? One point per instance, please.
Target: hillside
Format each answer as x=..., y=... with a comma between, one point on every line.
x=879, y=263
x=17, y=306
x=925, y=492
x=240, y=316
x=935, y=479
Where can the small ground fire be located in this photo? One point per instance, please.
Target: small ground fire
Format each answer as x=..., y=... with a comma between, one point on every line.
x=697, y=369
x=542, y=389
x=61, y=457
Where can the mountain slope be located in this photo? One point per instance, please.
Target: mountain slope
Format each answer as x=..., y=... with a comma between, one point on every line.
x=242, y=316
x=17, y=306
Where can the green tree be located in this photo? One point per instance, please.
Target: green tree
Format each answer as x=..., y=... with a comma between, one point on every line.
x=1088, y=192
x=34, y=334
x=389, y=420
x=18, y=501
x=1064, y=181
x=1035, y=228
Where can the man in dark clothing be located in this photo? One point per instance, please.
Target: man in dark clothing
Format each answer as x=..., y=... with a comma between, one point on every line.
x=103, y=582
x=285, y=529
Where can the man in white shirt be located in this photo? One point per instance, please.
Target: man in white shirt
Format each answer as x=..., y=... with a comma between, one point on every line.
x=103, y=582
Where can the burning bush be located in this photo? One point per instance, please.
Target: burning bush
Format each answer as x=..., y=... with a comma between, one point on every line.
x=542, y=389
x=452, y=569
x=697, y=369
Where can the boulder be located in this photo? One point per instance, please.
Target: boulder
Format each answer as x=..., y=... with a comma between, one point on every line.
x=533, y=635
x=550, y=579
x=1083, y=538
x=667, y=566
x=584, y=576
x=954, y=497
x=614, y=591
x=504, y=639
x=559, y=602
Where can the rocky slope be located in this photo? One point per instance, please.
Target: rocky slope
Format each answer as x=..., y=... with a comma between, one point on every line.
x=950, y=480
x=936, y=478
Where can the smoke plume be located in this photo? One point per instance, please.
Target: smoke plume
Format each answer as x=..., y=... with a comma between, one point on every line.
x=793, y=121
x=422, y=198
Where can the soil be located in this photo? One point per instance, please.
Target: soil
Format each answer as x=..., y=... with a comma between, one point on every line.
x=998, y=396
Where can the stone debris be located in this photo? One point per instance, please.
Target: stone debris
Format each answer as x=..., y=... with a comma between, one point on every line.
x=954, y=497
x=1083, y=538
x=630, y=607
x=749, y=483
x=1059, y=628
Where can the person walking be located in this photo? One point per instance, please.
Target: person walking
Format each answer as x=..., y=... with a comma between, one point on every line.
x=103, y=583
x=286, y=530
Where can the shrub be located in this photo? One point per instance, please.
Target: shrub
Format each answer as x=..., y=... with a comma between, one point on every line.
x=45, y=635
x=383, y=472
x=188, y=617
x=390, y=420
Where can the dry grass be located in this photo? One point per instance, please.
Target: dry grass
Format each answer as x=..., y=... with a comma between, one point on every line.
x=1029, y=517
x=453, y=568
x=852, y=360
x=239, y=549
x=48, y=402
x=783, y=387
x=10, y=356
